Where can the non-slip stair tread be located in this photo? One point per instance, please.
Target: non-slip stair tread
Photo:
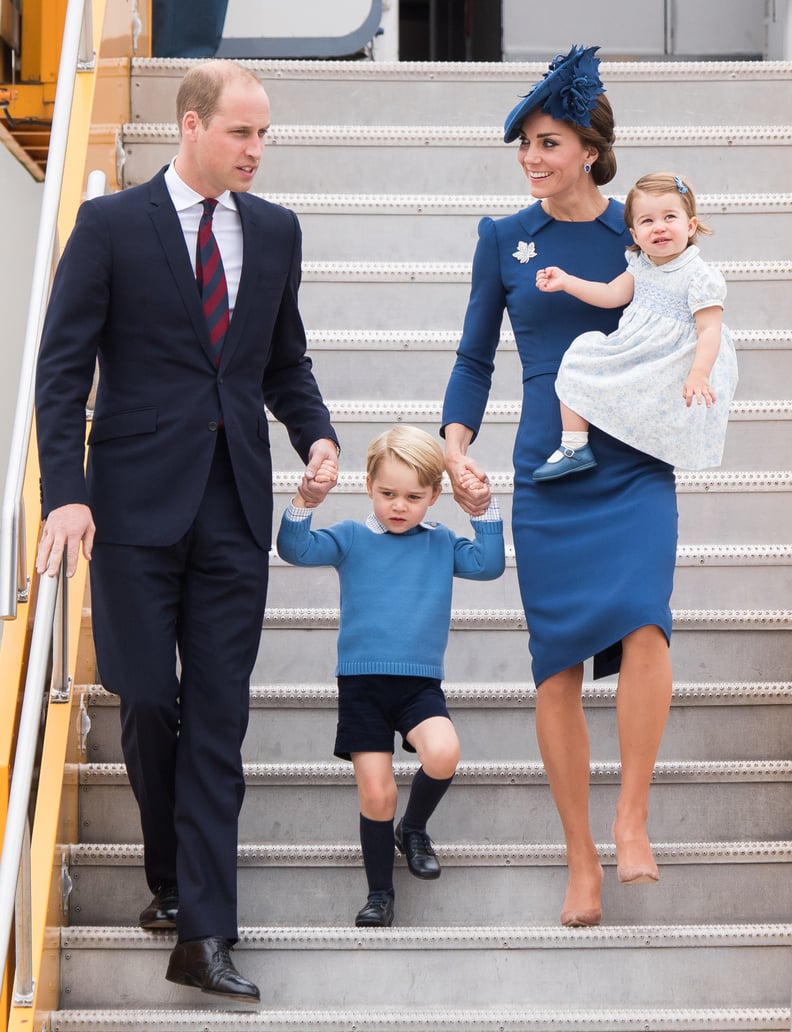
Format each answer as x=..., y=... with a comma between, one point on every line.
x=325, y=694
x=414, y=1018
x=434, y=203
x=477, y=135
x=409, y=1018
x=353, y=482
x=482, y=854
x=459, y=937
x=516, y=71
x=511, y=773
x=459, y=272
x=509, y=411
x=403, y=340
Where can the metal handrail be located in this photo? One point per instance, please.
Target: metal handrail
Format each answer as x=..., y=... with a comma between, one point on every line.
x=50, y=607
x=77, y=28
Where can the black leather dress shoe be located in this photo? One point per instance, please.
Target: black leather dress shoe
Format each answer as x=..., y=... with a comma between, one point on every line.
x=378, y=911
x=417, y=847
x=162, y=910
x=206, y=964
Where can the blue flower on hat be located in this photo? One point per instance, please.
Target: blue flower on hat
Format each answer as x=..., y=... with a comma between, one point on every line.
x=568, y=91
x=574, y=94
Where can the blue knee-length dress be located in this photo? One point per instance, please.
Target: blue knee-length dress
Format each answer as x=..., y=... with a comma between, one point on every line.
x=595, y=551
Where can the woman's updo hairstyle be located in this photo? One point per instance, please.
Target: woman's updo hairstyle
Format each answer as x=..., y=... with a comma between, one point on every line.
x=600, y=135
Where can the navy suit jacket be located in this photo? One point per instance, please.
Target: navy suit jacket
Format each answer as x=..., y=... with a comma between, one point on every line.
x=125, y=291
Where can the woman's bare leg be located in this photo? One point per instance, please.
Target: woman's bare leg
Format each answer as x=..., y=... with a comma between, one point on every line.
x=564, y=744
x=643, y=700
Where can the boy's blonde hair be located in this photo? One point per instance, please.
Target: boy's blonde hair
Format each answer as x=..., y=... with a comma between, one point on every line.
x=412, y=446
x=664, y=183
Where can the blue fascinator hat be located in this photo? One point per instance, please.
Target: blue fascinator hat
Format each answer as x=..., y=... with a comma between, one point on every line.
x=567, y=92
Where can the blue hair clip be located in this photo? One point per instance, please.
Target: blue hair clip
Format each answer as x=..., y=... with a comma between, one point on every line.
x=680, y=185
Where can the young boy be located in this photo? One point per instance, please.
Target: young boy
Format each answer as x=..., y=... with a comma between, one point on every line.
x=396, y=572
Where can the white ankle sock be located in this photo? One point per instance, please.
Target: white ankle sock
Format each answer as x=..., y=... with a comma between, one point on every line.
x=573, y=439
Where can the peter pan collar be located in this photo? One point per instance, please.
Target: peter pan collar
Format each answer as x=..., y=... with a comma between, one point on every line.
x=374, y=525
x=679, y=262
x=534, y=218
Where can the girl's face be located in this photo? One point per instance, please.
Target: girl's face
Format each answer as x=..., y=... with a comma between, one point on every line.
x=661, y=225
x=552, y=155
x=400, y=500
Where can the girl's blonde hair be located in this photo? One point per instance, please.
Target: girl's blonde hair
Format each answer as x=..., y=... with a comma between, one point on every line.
x=412, y=446
x=664, y=183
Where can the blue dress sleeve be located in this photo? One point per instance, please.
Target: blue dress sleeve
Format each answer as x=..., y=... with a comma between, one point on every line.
x=471, y=378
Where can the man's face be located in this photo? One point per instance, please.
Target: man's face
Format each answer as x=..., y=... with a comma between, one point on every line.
x=224, y=153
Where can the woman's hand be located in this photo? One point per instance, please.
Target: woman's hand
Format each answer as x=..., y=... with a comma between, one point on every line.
x=469, y=483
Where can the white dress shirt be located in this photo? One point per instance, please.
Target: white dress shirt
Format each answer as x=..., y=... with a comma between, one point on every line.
x=226, y=226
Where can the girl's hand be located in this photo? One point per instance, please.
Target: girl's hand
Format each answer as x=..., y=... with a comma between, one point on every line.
x=697, y=386
x=550, y=279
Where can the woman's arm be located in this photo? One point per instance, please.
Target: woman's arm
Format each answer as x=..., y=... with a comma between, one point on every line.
x=615, y=294
x=469, y=482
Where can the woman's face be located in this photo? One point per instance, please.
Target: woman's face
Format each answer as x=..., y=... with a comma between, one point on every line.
x=552, y=156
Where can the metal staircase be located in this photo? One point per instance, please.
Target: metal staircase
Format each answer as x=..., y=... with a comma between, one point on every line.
x=389, y=180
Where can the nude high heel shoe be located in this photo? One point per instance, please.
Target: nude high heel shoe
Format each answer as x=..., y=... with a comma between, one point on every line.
x=635, y=874
x=589, y=918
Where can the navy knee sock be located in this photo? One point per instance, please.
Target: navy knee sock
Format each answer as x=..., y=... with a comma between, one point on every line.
x=425, y=794
x=376, y=841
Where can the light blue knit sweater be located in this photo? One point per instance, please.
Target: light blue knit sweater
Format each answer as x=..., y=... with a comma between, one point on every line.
x=395, y=588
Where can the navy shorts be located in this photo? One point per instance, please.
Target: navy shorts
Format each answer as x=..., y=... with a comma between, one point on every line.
x=372, y=707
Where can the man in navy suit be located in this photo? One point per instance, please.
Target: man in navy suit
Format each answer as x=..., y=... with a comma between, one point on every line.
x=174, y=508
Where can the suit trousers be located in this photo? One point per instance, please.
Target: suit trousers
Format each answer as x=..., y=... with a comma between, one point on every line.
x=177, y=631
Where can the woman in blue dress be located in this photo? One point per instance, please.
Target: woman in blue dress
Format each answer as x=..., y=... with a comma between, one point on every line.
x=596, y=554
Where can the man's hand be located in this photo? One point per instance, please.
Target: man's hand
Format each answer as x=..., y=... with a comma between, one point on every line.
x=64, y=530
x=321, y=473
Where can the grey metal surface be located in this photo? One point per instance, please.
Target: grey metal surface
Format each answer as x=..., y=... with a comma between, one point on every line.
x=399, y=227
x=691, y=801
x=480, y=885
x=416, y=159
x=758, y=435
x=294, y=723
x=536, y=967
x=469, y=93
x=412, y=1019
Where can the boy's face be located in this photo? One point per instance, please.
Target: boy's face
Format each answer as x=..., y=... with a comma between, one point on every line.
x=400, y=500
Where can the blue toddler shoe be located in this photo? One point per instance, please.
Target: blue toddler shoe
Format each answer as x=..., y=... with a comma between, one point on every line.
x=574, y=461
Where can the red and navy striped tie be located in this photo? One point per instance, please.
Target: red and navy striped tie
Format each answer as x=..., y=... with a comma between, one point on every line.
x=211, y=281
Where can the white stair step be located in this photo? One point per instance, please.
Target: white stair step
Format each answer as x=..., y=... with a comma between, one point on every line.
x=398, y=227
x=690, y=800
x=481, y=884
x=373, y=365
x=526, y=967
x=473, y=159
x=364, y=92
x=419, y=1019
x=297, y=722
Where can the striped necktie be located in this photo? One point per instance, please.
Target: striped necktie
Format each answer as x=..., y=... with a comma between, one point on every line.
x=211, y=281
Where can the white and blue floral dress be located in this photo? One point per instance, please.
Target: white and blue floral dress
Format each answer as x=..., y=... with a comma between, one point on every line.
x=629, y=383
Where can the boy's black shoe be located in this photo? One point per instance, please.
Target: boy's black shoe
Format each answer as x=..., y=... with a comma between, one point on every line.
x=417, y=847
x=378, y=911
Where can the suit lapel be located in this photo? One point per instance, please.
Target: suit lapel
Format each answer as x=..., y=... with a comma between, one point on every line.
x=252, y=231
x=168, y=228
